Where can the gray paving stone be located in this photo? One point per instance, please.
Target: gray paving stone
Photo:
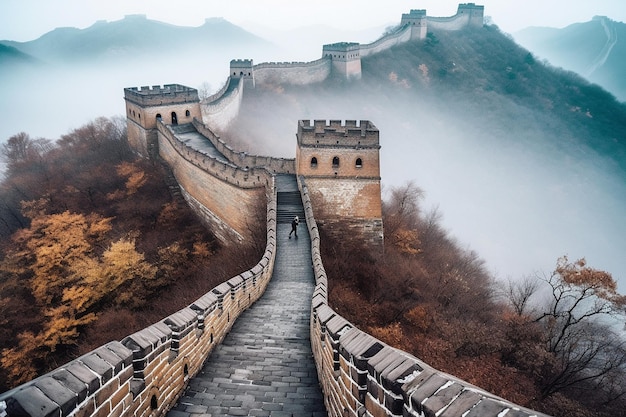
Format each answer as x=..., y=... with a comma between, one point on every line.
x=264, y=367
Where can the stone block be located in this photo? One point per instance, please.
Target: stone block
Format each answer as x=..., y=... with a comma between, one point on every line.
x=487, y=407
x=235, y=282
x=82, y=372
x=360, y=346
x=71, y=382
x=393, y=376
x=140, y=343
x=31, y=401
x=111, y=358
x=336, y=325
x=442, y=397
x=121, y=351
x=163, y=332
x=427, y=388
x=325, y=313
x=98, y=365
x=383, y=359
x=57, y=392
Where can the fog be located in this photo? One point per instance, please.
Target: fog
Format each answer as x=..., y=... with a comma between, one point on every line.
x=504, y=189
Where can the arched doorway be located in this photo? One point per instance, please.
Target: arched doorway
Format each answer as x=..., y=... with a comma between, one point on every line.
x=174, y=118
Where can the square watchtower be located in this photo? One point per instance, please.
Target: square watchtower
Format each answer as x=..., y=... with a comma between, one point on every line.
x=146, y=106
x=341, y=165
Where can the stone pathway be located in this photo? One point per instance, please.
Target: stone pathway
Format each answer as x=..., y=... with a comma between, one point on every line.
x=264, y=366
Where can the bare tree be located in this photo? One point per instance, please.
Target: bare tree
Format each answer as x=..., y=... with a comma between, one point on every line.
x=519, y=292
x=584, y=348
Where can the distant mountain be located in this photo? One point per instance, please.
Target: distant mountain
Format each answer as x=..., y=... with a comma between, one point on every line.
x=595, y=49
x=135, y=35
x=12, y=56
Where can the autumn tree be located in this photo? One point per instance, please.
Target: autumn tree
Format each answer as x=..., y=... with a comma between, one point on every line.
x=400, y=217
x=576, y=320
x=59, y=258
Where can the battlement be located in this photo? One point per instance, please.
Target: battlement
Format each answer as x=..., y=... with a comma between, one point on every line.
x=471, y=6
x=412, y=16
x=337, y=133
x=342, y=50
x=157, y=95
x=241, y=63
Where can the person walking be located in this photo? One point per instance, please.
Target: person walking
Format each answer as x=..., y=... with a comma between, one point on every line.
x=294, y=226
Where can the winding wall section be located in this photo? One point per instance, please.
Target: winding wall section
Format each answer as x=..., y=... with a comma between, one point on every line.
x=145, y=373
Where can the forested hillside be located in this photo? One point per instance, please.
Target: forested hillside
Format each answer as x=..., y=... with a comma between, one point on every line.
x=539, y=340
x=96, y=244
x=542, y=342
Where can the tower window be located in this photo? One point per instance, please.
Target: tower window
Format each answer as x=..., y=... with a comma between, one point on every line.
x=359, y=163
x=158, y=117
x=187, y=113
x=314, y=162
x=174, y=118
x=336, y=162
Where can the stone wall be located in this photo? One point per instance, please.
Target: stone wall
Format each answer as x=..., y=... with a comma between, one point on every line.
x=224, y=195
x=220, y=110
x=242, y=159
x=362, y=376
x=401, y=36
x=146, y=372
x=294, y=73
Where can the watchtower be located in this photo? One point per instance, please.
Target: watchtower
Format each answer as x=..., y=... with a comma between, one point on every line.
x=418, y=22
x=243, y=68
x=340, y=163
x=474, y=13
x=146, y=106
x=346, y=59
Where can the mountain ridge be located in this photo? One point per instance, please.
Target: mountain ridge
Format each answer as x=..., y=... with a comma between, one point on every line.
x=594, y=49
x=134, y=35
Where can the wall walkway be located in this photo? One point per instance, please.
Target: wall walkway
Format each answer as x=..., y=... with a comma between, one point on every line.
x=264, y=367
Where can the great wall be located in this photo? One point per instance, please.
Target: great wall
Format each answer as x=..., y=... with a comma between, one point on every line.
x=336, y=165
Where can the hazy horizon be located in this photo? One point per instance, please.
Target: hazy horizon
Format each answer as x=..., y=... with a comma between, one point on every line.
x=26, y=20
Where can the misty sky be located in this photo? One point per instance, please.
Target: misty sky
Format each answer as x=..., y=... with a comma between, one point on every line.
x=24, y=20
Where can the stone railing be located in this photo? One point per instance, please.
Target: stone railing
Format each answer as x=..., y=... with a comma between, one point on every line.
x=221, y=108
x=243, y=159
x=362, y=376
x=146, y=372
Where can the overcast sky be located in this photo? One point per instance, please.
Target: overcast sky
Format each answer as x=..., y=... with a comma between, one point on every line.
x=24, y=20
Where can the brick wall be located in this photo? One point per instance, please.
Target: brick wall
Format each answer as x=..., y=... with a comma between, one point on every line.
x=144, y=373
x=362, y=376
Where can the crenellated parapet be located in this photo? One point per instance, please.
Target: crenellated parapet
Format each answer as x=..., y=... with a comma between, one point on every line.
x=363, y=376
x=146, y=372
x=341, y=164
x=417, y=21
x=341, y=59
x=158, y=95
x=467, y=15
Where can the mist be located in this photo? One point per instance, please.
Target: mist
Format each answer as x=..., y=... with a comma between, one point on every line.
x=503, y=188
x=506, y=186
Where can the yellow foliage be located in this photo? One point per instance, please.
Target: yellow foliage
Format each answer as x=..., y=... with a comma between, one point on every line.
x=201, y=249
x=125, y=169
x=135, y=181
x=419, y=318
x=406, y=241
x=27, y=350
x=168, y=214
x=136, y=178
x=579, y=274
x=34, y=208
